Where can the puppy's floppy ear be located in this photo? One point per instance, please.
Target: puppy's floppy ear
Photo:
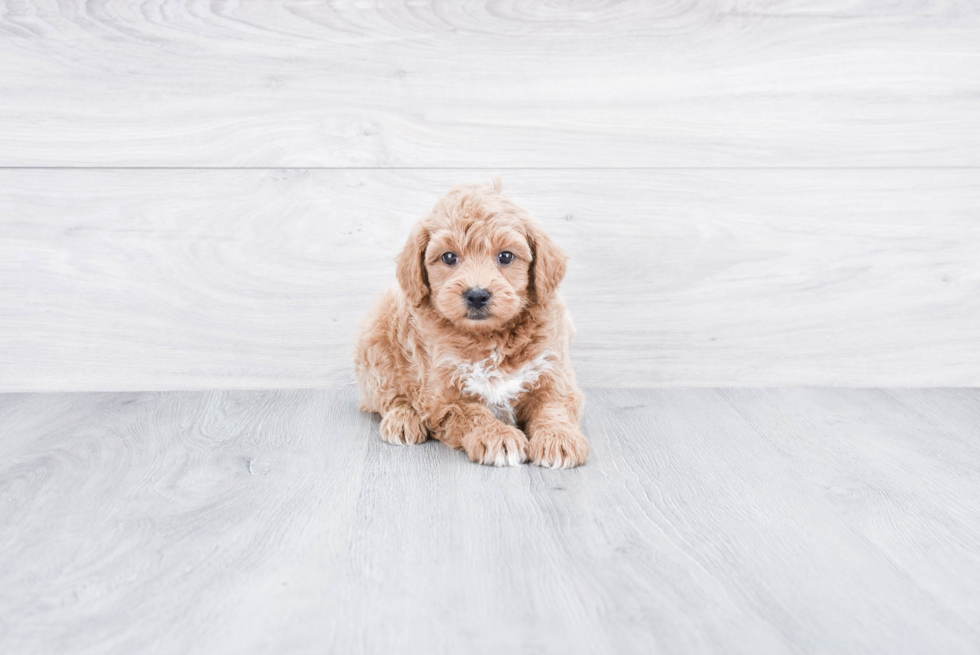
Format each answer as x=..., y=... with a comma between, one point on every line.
x=548, y=262
x=411, y=273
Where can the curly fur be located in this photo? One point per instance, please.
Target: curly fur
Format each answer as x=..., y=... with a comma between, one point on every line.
x=499, y=386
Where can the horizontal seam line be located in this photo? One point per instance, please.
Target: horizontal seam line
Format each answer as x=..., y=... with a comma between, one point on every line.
x=487, y=168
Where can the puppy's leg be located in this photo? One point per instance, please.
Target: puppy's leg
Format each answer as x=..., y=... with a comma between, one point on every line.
x=485, y=439
x=401, y=425
x=555, y=439
x=385, y=373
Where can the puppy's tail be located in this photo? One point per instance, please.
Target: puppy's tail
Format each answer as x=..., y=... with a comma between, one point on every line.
x=496, y=184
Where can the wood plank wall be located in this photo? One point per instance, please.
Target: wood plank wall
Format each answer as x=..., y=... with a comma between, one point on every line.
x=753, y=192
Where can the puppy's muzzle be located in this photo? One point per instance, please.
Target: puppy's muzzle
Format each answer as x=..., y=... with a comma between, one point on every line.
x=476, y=301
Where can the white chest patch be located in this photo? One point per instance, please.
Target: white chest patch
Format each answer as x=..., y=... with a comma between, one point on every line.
x=498, y=389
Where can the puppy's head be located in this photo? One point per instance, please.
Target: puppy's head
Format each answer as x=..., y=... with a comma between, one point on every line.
x=478, y=259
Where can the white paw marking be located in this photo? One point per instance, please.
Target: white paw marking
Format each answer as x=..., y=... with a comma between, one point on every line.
x=396, y=426
x=560, y=463
x=504, y=458
x=394, y=439
x=497, y=389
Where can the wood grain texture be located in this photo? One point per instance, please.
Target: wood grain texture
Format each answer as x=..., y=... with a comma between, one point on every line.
x=745, y=521
x=128, y=280
x=496, y=83
x=898, y=480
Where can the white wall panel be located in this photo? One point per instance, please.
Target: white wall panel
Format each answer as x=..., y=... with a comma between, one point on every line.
x=489, y=84
x=158, y=279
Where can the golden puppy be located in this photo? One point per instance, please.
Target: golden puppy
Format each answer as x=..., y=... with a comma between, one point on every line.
x=473, y=343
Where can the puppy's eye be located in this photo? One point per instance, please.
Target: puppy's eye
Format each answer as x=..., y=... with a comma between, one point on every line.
x=450, y=259
x=505, y=258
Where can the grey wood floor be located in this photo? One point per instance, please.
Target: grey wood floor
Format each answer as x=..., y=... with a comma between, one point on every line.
x=733, y=520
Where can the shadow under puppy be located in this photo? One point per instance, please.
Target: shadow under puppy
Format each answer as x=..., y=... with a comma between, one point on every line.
x=473, y=345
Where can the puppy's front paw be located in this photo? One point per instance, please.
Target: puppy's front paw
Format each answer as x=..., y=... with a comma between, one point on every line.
x=499, y=445
x=557, y=446
x=403, y=427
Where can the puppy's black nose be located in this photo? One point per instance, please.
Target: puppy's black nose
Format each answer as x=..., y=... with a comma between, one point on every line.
x=477, y=298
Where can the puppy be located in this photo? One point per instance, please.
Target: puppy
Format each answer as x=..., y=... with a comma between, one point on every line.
x=471, y=348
